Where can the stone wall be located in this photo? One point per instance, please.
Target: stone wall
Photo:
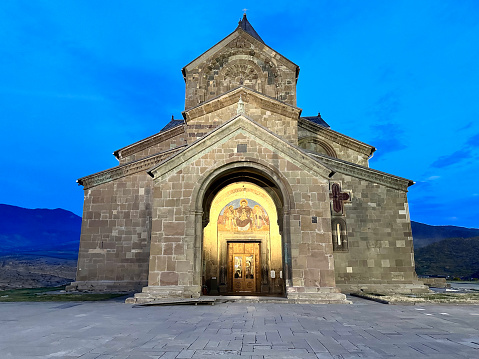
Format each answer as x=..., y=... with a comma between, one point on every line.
x=115, y=237
x=380, y=248
x=344, y=148
x=159, y=142
x=276, y=117
x=243, y=61
x=174, y=249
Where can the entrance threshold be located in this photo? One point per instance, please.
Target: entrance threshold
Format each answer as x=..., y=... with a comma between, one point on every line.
x=212, y=299
x=261, y=298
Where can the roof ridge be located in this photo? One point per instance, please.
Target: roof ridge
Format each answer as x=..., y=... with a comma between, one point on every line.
x=246, y=26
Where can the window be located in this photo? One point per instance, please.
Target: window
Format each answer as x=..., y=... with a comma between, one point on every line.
x=340, y=235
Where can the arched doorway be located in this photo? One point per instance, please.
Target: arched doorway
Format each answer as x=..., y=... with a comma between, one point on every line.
x=242, y=247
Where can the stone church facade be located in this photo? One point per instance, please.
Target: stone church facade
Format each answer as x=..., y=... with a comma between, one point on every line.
x=245, y=196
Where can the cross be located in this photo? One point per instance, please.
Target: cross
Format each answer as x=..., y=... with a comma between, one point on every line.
x=244, y=11
x=338, y=198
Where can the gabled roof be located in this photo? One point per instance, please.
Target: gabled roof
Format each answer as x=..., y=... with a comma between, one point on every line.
x=244, y=26
x=257, y=132
x=366, y=173
x=158, y=137
x=173, y=123
x=248, y=28
x=231, y=96
x=336, y=136
x=317, y=120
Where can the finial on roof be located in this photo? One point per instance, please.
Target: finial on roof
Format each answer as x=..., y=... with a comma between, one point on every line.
x=172, y=117
x=240, y=109
x=244, y=11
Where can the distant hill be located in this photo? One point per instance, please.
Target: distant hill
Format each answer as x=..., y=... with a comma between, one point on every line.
x=454, y=257
x=34, y=230
x=36, y=236
x=425, y=234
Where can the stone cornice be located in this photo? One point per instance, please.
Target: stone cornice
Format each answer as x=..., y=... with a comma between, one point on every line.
x=245, y=125
x=337, y=137
x=247, y=95
x=127, y=169
x=148, y=142
x=365, y=173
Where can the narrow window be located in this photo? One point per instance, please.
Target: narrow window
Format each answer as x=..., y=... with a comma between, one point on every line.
x=339, y=234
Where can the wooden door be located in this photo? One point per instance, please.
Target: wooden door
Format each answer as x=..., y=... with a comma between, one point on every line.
x=244, y=266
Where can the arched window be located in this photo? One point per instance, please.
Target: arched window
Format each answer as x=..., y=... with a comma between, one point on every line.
x=340, y=235
x=318, y=146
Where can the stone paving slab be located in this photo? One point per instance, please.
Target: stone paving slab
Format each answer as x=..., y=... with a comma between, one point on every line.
x=107, y=330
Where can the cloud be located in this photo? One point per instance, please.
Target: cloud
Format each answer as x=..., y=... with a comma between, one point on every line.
x=452, y=159
x=386, y=106
x=388, y=139
x=460, y=155
x=473, y=141
x=467, y=126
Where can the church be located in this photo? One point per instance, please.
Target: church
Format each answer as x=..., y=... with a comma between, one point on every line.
x=245, y=196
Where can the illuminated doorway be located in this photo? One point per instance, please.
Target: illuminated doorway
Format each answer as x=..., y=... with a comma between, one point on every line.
x=242, y=247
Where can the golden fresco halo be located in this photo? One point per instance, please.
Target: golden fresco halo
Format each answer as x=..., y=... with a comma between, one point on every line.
x=232, y=195
x=243, y=215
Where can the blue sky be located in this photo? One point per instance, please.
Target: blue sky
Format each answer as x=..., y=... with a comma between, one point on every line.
x=80, y=79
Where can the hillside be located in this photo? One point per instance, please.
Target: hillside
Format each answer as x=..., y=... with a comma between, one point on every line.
x=31, y=271
x=39, y=247
x=32, y=230
x=425, y=234
x=454, y=257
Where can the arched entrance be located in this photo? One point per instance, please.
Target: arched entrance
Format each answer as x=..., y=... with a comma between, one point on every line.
x=242, y=246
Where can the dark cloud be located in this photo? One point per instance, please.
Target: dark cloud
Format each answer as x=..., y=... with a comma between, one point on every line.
x=388, y=139
x=460, y=155
x=452, y=159
x=385, y=107
x=466, y=127
x=142, y=91
x=473, y=141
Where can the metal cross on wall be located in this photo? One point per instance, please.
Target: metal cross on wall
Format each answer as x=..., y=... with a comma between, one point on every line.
x=338, y=198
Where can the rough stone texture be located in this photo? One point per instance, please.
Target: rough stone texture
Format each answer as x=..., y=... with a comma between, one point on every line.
x=162, y=141
x=174, y=240
x=436, y=282
x=115, y=238
x=238, y=60
x=120, y=249
x=380, y=238
x=277, y=117
x=323, y=140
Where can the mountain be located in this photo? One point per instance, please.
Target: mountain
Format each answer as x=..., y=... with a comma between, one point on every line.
x=34, y=230
x=454, y=257
x=425, y=234
x=46, y=238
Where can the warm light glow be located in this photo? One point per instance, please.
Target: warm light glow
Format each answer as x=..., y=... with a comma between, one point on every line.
x=338, y=231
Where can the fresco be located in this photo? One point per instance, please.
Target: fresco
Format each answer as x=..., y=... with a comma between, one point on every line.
x=243, y=215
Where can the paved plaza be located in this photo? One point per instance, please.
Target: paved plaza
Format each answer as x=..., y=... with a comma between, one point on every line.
x=104, y=330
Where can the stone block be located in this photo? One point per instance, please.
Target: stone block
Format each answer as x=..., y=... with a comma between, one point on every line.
x=168, y=278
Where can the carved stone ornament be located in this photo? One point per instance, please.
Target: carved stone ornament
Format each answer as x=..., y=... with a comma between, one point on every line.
x=338, y=198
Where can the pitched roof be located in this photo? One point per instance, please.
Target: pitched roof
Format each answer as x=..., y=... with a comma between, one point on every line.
x=257, y=132
x=317, y=120
x=171, y=124
x=245, y=25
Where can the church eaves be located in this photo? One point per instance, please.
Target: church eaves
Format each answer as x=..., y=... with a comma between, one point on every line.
x=173, y=123
x=317, y=120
